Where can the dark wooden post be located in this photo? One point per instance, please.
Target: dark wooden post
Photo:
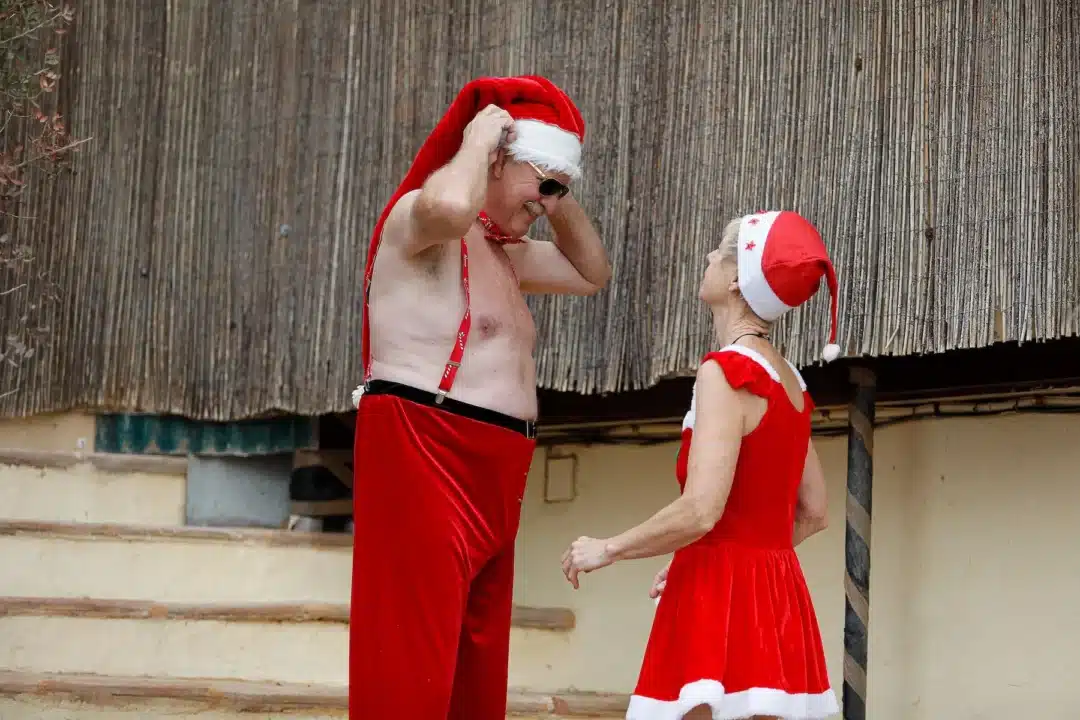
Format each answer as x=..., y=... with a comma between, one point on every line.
x=860, y=481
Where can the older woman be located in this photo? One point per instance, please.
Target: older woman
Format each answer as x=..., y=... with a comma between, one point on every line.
x=735, y=634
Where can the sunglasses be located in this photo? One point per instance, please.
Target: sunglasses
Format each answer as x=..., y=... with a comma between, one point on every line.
x=549, y=186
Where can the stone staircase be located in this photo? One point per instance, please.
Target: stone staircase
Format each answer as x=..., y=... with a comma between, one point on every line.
x=111, y=608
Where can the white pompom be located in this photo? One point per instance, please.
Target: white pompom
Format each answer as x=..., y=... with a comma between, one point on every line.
x=831, y=352
x=357, y=394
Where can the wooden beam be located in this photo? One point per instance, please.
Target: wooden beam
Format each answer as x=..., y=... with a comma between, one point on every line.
x=108, y=609
x=336, y=461
x=999, y=368
x=543, y=618
x=321, y=508
x=555, y=619
x=106, y=462
x=139, y=533
x=860, y=481
x=270, y=697
x=235, y=695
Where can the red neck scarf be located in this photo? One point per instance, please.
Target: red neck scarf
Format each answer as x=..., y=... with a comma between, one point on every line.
x=495, y=233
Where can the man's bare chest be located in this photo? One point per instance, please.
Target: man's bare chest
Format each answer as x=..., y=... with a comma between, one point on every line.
x=497, y=304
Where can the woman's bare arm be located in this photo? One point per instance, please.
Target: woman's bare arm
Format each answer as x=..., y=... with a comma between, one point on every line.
x=714, y=451
x=811, y=510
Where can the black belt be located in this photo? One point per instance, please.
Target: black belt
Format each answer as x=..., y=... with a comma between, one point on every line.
x=473, y=412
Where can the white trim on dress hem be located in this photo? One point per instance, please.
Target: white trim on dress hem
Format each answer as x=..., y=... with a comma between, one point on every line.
x=736, y=705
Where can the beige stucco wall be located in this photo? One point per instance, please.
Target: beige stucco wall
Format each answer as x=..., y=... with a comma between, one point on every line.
x=60, y=432
x=975, y=579
x=86, y=493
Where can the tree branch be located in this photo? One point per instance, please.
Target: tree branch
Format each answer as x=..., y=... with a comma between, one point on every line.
x=57, y=151
x=43, y=23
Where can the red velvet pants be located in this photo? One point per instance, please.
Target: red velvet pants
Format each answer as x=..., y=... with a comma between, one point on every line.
x=437, y=500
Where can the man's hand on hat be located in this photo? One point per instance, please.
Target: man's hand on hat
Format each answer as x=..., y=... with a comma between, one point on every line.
x=491, y=129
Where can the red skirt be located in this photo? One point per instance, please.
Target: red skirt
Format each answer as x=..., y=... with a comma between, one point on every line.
x=735, y=630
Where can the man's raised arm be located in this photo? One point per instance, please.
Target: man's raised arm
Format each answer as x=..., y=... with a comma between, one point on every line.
x=448, y=202
x=575, y=264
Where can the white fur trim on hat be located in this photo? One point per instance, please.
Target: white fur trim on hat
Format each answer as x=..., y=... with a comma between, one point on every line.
x=753, y=233
x=548, y=146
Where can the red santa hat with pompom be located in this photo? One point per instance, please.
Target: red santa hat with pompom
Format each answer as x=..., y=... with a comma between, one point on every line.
x=548, y=127
x=781, y=262
x=549, y=132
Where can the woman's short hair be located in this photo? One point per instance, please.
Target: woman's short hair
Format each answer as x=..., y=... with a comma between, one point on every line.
x=729, y=240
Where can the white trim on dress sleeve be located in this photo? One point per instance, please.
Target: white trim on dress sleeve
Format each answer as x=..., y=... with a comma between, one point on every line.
x=798, y=375
x=691, y=415
x=755, y=356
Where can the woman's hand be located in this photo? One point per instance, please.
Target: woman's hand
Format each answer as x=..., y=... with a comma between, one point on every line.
x=585, y=555
x=659, y=582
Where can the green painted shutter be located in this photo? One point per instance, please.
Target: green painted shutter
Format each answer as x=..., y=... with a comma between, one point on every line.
x=175, y=435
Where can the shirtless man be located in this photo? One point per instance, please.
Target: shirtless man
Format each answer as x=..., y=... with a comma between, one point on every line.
x=445, y=426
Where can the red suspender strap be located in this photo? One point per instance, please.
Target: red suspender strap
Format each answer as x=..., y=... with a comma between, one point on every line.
x=365, y=329
x=452, y=365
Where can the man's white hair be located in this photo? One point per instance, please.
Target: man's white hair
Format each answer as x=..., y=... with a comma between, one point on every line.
x=548, y=147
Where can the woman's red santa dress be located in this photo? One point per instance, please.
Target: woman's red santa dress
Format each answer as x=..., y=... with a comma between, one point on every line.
x=735, y=628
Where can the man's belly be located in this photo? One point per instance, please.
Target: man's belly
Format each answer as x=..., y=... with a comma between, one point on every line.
x=490, y=376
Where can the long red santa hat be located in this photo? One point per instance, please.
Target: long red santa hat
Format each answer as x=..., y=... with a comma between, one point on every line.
x=549, y=131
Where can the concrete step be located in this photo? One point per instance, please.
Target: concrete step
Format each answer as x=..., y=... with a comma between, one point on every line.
x=59, y=696
x=252, y=641
x=200, y=573
x=173, y=564
x=192, y=566
x=299, y=643
x=301, y=653
x=92, y=487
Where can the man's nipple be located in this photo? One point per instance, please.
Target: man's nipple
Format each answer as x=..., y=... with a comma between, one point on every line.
x=487, y=326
